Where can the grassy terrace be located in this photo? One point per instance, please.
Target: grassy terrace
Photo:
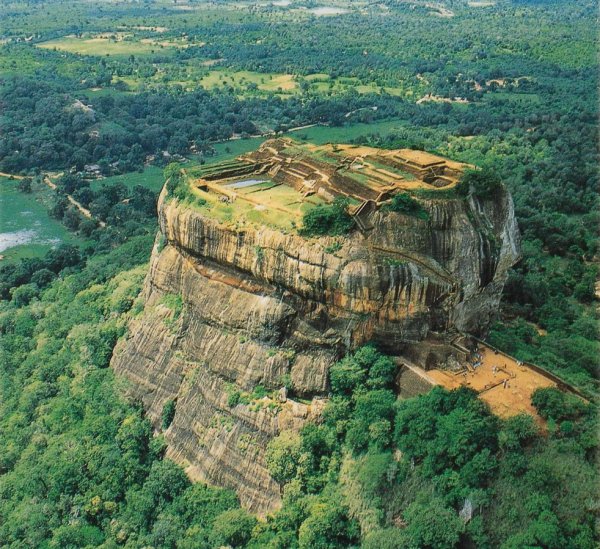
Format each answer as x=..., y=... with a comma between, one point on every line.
x=277, y=206
x=263, y=202
x=381, y=166
x=213, y=169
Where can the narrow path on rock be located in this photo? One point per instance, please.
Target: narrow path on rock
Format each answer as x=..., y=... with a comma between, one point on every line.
x=439, y=272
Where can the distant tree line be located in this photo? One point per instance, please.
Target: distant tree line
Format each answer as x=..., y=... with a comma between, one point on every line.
x=47, y=126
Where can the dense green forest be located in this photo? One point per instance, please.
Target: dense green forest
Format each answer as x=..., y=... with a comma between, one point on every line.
x=116, y=88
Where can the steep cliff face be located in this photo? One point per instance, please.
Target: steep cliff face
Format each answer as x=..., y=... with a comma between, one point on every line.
x=234, y=312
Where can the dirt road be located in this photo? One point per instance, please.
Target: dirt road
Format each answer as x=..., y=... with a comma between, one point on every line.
x=84, y=211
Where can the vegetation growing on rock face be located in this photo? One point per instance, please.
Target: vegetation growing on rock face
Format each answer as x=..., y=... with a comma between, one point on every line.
x=484, y=184
x=168, y=413
x=405, y=204
x=327, y=220
x=282, y=456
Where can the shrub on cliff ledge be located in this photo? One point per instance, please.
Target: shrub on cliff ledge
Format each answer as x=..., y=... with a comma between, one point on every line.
x=283, y=456
x=178, y=187
x=168, y=413
x=329, y=219
x=406, y=204
x=484, y=184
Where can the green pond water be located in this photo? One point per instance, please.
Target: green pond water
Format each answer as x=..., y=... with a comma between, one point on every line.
x=26, y=229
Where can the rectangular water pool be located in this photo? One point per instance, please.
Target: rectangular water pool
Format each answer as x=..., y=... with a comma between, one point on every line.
x=246, y=183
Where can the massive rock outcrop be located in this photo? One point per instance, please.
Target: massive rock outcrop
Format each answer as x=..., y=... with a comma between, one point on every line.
x=235, y=311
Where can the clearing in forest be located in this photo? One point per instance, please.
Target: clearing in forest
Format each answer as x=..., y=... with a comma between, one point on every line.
x=117, y=44
x=269, y=82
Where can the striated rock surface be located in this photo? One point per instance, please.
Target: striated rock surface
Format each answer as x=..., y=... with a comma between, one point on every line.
x=236, y=311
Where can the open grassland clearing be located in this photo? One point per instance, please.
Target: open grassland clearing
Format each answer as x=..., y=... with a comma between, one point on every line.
x=115, y=44
x=324, y=83
x=320, y=135
x=269, y=82
x=286, y=84
x=151, y=178
x=224, y=151
x=193, y=75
